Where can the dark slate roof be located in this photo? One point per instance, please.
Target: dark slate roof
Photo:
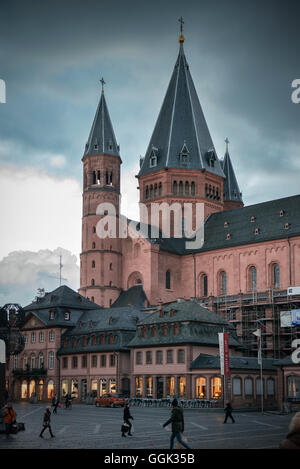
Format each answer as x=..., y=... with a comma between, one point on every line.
x=238, y=363
x=197, y=325
x=133, y=296
x=102, y=133
x=181, y=125
x=62, y=296
x=231, y=187
x=119, y=321
x=267, y=220
x=286, y=361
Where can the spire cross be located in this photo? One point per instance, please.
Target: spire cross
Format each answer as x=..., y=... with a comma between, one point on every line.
x=181, y=38
x=226, y=141
x=181, y=24
x=103, y=83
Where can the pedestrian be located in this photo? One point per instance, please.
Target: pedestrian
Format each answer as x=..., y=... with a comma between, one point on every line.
x=292, y=440
x=10, y=416
x=127, y=417
x=68, y=401
x=228, y=410
x=46, y=423
x=55, y=403
x=177, y=421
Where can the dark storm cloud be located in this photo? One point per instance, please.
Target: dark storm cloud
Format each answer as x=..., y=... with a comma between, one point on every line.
x=243, y=57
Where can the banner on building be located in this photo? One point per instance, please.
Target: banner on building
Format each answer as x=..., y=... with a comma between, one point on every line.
x=224, y=353
x=258, y=335
x=2, y=351
x=285, y=319
x=295, y=317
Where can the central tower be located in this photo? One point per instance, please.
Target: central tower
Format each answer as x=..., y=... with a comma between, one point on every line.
x=181, y=164
x=101, y=258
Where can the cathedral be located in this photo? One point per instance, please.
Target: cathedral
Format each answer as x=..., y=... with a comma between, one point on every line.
x=146, y=318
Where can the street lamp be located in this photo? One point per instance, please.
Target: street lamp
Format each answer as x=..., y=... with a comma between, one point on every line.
x=12, y=317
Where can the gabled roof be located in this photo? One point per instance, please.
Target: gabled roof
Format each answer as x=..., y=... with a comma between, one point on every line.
x=181, y=125
x=134, y=296
x=62, y=296
x=197, y=325
x=102, y=137
x=231, y=187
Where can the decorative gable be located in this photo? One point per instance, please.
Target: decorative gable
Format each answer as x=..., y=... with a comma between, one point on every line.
x=153, y=157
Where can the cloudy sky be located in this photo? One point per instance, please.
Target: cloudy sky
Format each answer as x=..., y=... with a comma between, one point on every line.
x=243, y=57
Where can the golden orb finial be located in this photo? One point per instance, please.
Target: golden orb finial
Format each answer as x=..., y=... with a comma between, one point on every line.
x=181, y=37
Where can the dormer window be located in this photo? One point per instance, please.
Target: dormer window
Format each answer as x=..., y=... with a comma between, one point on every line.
x=228, y=236
x=226, y=224
x=153, y=157
x=281, y=213
x=256, y=231
x=184, y=155
x=110, y=320
x=51, y=315
x=211, y=157
x=67, y=316
x=286, y=226
x=252, y=219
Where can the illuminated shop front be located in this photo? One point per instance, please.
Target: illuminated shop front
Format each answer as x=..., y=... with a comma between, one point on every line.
x=138, y=386
x=182, y=386
x=201, y=388
x=216, y=387
x=50, y=389
x=149, y=386
x=170, y=386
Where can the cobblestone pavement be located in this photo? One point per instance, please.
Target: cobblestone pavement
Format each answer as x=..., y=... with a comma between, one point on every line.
x=90, y=427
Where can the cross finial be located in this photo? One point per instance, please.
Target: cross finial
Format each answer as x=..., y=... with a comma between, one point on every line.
x=226, y=141
x=103, y=83
x=181, y=38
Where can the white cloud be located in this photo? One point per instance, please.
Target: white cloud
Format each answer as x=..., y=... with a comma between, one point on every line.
x=38, y=210
x=58, y=161
x=23, y=272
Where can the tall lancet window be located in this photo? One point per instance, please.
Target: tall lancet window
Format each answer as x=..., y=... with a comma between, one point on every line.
x=276, y=276
x=252, y=278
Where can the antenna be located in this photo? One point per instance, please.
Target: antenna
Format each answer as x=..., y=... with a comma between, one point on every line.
x=60, y=269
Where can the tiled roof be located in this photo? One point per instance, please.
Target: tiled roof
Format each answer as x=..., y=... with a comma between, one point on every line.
x=181, y=129
x=133, y=296
x=204, y=361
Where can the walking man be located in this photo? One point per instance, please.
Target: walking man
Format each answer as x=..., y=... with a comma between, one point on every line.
x=127, y=416
x=177, y=425
x=46, y=423
x=55, y=403
x=228, y=409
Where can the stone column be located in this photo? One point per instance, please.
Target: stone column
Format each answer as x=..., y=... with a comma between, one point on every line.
x=188, y=387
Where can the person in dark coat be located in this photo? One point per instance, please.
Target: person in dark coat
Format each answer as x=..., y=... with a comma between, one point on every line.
x=55, y=403
x=228, y=410
x=46, y=423
x=177, y=421
x=126, y=417
x=292, y=440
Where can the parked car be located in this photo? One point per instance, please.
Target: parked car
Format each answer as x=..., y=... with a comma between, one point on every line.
x=110, y=400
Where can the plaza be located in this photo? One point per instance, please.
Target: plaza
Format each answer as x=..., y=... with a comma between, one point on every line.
x=89, y=427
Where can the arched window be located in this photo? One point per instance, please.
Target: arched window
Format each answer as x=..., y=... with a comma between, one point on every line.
x=168, y=280
x=203, y=285
x=32, y=361
x=160, y=189
x=51, y=360
x=93, y=264
x=187, y=188
x=201, y=388
x=155, y=190
x=222, y=283
x=252, y=279
x=193, y=189
x=175, y=187
x=94, y=177
x=216, y=387
x=147, y=192
x=93, y=245
x=237, y=386
x=180, y=187
x=276, y=276
x=93, y=282
x=270, y=387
